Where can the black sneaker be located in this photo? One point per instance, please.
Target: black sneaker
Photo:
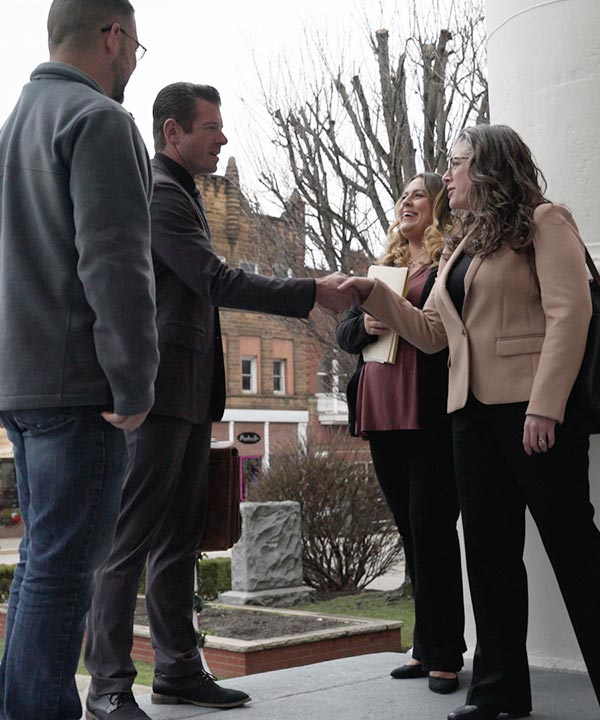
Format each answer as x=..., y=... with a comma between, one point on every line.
x=114, y=706
x=199, y=689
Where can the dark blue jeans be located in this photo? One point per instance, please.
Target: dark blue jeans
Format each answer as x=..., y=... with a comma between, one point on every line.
x=70, y=465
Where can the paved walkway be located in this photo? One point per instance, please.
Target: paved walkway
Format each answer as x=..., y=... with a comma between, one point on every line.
x=360, y=688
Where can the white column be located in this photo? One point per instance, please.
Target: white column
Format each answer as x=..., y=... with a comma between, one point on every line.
x=231, y=430
x=544, y=77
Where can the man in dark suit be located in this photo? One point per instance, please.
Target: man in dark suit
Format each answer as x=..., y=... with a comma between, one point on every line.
x=163, y=503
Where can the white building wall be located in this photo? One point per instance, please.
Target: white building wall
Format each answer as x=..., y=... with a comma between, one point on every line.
x=544, y=77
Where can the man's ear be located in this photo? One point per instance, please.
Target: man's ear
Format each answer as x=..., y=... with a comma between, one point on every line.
x=112, y=39
x=171, y=131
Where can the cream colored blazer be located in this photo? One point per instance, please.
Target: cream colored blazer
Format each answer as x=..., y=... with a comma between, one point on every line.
x=520, y=337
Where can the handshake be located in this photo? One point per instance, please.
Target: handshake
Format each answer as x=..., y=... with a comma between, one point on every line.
x=337, y=292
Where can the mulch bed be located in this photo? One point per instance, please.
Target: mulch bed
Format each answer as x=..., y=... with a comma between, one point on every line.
x=249, y=624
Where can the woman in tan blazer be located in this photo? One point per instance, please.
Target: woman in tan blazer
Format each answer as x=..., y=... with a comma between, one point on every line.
x=512, y=303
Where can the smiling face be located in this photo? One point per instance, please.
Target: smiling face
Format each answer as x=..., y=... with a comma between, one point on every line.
x=414, y=210
x=200, y=148
x=457, y=177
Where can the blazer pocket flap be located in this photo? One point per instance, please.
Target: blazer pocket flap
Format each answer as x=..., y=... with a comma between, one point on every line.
x=524, y=345
x=188, y=336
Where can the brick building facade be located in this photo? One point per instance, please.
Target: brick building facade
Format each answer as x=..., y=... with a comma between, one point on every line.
x=273, y=365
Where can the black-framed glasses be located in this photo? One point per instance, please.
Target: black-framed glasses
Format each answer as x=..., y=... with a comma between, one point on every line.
x=140, y=50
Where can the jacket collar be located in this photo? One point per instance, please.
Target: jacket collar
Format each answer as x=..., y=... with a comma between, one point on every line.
x=178, y=172
x=64, y=71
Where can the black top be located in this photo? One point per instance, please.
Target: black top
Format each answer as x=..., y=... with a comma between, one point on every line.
x=180, y=174
x=455, y=282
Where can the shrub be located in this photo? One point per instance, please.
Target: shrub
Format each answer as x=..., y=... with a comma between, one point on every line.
x=214, y=577
x=6, y=577
x=9, y=516
x=348, y=534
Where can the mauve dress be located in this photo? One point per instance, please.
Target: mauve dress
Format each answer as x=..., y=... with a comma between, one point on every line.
x=387, y=394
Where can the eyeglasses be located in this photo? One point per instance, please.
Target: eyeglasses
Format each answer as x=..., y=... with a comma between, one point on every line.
x=140, y=50
x=454, y=162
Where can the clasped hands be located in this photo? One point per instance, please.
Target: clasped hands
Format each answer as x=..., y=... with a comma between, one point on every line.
x=337, y=292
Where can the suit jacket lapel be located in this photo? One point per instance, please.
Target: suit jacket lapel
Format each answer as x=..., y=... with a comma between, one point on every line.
x=471, y=272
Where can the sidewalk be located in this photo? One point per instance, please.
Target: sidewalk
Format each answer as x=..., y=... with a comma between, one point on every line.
x=360, y=688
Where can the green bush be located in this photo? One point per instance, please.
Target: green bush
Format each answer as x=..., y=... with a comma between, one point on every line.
x=6, y=577
x=214, y=577
x=9, y=516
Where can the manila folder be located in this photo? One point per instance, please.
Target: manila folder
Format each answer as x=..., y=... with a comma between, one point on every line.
x=396, y=278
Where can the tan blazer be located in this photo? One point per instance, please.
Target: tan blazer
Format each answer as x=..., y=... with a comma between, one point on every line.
x=520, y=337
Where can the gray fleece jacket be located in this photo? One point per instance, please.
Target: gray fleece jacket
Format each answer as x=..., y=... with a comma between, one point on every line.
x=77, y=309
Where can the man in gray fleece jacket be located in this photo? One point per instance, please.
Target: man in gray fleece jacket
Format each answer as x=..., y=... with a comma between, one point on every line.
x=78, y=345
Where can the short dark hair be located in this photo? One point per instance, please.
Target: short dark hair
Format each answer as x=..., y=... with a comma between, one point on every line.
x=77, y=21
x=178, y=101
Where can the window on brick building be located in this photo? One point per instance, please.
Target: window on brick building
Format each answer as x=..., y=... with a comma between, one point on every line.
x=249, y=267
x=282, y=270
x=249, y=374
x=328, y=375
x=279, y=377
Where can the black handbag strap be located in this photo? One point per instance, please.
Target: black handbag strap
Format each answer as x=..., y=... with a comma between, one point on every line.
x=592, y=266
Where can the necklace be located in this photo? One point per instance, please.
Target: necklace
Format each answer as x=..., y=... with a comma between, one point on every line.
x=414, y=264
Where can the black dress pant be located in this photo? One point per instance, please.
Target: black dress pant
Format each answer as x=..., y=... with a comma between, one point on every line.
x=416, y=473
x=161, y=522
x=497, y=480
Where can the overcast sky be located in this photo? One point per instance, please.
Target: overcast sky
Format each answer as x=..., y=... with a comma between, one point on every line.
x=217, y=43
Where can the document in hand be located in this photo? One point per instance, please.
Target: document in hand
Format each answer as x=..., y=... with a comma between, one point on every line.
x=396, y=278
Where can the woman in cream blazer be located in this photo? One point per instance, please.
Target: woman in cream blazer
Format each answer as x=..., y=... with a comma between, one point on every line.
x=512, y=304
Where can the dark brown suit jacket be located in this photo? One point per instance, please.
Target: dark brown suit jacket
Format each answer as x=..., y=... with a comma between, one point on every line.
x=191, y=283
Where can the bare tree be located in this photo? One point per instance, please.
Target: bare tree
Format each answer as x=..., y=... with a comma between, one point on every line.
x=351, y=139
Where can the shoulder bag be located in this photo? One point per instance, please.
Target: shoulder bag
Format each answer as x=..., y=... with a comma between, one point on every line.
x=583, y=408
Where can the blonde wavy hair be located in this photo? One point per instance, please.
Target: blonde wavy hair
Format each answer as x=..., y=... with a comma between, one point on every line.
x=506, y=187
x=397, y=251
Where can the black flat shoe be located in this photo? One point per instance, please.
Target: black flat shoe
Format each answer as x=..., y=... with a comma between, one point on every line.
x=473, y=712
x=409, y=672
x=443, y=685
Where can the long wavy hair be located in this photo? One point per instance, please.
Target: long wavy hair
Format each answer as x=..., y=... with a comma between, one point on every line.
x=396, y=250
x=506, y=187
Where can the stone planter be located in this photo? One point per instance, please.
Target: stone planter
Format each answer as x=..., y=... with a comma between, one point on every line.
x=228, y=657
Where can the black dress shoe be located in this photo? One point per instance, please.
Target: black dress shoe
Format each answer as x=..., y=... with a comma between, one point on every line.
x=443, y=685
x=114, y=706
x=199, y=689
x=514, y=715
x=473, y=712
x=409, y=672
